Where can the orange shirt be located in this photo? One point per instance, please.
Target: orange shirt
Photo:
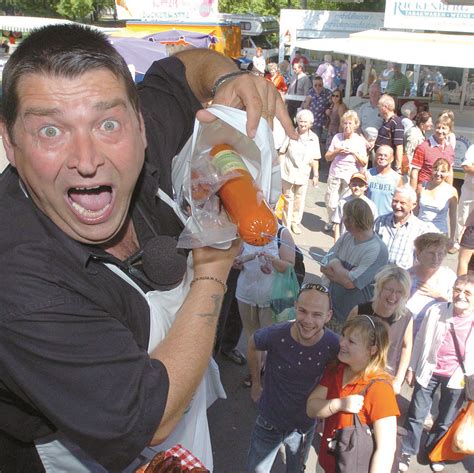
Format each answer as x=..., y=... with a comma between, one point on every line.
x=280, y=83
x=379, y=402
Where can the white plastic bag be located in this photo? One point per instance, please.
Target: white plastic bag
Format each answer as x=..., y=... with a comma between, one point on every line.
x=206, y=222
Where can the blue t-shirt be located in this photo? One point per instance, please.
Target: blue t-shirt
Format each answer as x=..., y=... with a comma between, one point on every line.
x=292, y=371
x=381, y=189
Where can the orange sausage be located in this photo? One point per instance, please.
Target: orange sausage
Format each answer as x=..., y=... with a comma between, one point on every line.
x=243, y=200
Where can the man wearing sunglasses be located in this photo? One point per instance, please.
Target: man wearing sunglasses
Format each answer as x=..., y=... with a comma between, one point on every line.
x=297, y=353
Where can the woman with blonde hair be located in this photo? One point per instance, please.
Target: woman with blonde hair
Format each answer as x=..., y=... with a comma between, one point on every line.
x=391, y=292
x=358, y=384
x=438, y=200
x=277, y=78
x=347, y=154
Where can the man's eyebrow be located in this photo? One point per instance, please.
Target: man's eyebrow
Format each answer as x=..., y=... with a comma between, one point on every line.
x=108, y=104
x=102, y=105
x=42, y=111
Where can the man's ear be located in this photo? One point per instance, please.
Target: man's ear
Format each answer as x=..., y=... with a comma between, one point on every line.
x=7, y=143
x=328, y=316
x=142, y=129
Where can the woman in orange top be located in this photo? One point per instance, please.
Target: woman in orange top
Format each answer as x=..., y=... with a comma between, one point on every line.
x=361, y=359
x=277, y=78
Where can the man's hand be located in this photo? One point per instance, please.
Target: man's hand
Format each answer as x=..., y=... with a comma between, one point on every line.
x=256, y=391
x=410, y=377
x=315, y=180
x=397, y=385
x=258, y=96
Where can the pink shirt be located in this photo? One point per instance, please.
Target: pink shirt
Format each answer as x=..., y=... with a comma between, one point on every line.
x=446, y=358
x=344, y=165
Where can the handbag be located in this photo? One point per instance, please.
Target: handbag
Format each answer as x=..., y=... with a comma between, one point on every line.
x=354, y=445
x=468, y=379
x=284, y=293
x=463, y=440
x=444, y=450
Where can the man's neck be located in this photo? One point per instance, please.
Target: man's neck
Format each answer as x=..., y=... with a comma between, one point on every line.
x=125, y=243
x=383, y=169
x=468, y=313
x=306, y=343
x=362, y=235
x=424, y=273
x=402, y=221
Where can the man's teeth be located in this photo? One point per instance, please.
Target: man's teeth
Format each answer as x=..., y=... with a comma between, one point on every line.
x=89, y=213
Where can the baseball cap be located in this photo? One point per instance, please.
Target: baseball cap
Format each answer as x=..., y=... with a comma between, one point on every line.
x=359, y=175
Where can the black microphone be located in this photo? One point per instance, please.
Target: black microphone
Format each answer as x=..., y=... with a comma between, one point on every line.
x=163, y=263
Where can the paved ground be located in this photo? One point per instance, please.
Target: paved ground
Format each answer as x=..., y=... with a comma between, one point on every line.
x=231, y=420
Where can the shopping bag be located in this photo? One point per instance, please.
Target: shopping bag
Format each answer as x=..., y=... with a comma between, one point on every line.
x=284, y=293
x=443, y=450
x=196, y=181
x=280, y=205
x=463, y=440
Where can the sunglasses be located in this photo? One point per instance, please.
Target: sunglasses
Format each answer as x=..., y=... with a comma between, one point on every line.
x=318, y=287
x=335, y=95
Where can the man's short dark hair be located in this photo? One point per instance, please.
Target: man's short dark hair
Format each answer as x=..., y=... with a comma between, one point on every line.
x=66, y=50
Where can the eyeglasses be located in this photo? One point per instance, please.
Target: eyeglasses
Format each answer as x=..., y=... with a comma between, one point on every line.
x=318, y=287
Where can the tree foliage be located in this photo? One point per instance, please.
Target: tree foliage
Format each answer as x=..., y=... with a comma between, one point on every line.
x=273, y=7
x=82, y=10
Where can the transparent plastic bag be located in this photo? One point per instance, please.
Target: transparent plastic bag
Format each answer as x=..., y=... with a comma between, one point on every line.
x=196, y=180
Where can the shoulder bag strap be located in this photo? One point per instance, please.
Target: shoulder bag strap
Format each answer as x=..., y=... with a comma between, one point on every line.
x=456, y=347
x=363, y=393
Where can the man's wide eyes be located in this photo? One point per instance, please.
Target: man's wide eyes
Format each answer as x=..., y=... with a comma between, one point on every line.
x=110, y=125
x=49, y=131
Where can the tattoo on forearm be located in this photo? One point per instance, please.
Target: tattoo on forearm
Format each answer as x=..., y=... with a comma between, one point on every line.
x=217, y=300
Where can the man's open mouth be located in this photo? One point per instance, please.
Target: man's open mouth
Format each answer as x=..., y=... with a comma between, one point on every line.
x=90, y=202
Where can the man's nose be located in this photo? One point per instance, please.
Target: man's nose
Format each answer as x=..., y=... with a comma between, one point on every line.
x=85, y=155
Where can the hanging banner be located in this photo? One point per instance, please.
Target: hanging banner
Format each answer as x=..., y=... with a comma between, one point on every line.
x=434, y=16
x=195, y=11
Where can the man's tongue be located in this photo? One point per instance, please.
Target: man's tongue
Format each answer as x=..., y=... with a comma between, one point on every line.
x=92, y=199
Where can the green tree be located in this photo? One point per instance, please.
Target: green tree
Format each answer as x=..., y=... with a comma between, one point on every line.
x=273, y=7
x=75, y=9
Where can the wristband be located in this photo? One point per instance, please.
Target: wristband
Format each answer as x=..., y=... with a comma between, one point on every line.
x=210, y=278
x=329, y=406
x=220, y=80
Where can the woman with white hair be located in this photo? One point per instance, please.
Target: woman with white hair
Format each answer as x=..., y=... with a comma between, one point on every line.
x=297, y=159
x=347, y=154
x=391, y=292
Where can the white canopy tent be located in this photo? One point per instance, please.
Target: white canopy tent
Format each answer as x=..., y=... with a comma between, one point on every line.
x=430, y=49
x=24, y=24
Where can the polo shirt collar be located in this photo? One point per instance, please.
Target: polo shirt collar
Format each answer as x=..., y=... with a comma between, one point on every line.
x=433, y=142
x=409, y=220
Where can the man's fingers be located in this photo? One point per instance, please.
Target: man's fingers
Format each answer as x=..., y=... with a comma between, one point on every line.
x=282, y=114
x=205, y=117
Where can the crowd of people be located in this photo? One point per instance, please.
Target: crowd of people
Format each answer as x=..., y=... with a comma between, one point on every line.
x=104, y=365
x=395, y=214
